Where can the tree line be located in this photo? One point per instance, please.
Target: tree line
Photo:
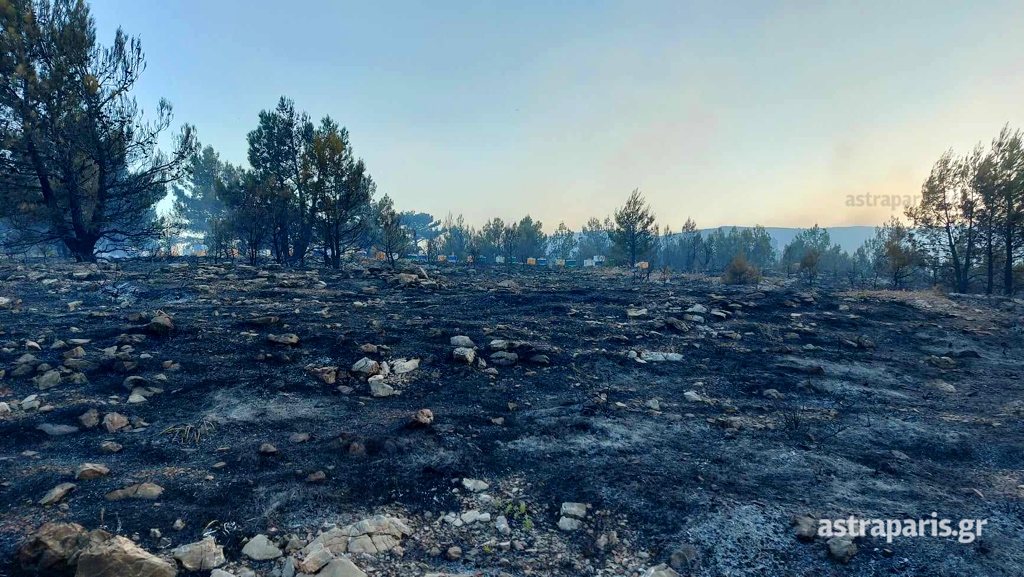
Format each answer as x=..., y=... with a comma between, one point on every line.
x=305, y=194
x=81, y=174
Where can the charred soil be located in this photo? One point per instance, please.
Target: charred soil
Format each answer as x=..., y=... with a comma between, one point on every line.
x=694, y=418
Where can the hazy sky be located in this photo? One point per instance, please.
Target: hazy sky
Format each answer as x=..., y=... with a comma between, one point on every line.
x=728, y=112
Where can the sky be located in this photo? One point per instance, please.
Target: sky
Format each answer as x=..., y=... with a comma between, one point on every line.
x=730, y=113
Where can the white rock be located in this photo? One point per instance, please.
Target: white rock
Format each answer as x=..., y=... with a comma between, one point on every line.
x=48, y=380
x=693, y=396
x=260, y=548
x=577, y=510
x=636, y=313
x=199, y=556
x=475, y=485
x=403, y=366
x=341, y=568
x=464, y=355
x=661, y=357
x=660, y=571
x=315, y=559
x=378, y=388
x=462, y=341
x=366, y=366
x=569, y=524
x=501, y=524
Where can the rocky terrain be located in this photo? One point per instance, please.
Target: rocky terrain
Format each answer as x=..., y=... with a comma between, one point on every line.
x=193, y=417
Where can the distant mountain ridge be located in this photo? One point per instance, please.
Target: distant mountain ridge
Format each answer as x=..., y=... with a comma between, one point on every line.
x=849, y=238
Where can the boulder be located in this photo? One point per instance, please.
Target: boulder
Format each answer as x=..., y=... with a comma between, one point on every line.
x=805, y=527
x=576, y=510
x=569, y=524
x=110, y=447
x=287, y=339
x=148, y=491
x=328, y=375
x=475, y=485
x=120, y=557
x=374, y=535
x=379, y=389
x=201, y=555
x=87, y=471
x=366, y=367
x=403, y=279
x=114, y=422
x=422, y=418
x=261, y=548
x=842, y=549
x=464, y=355
x=462, y=341
x=636, y=313
x=90, y=418
x=161, y=325
x=55, y=547
x=677, y=324
x=504, y=359
x=341, y=568
x=402, y=366
x=48, y=380
x=56, y=494
x=315, y=559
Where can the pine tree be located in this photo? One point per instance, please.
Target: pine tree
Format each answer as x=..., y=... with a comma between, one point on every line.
x=635, y=232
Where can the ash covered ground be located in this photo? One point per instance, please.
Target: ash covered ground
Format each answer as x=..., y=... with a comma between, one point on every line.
x=213, y=418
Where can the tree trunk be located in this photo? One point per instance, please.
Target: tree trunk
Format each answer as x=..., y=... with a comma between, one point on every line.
x=1008, y=265
x=989, y=256
x=83, y=249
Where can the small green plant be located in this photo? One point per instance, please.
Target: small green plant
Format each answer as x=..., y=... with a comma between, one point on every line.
x=527, y=524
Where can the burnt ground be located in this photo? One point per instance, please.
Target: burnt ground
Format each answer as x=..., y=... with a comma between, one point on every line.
x=858, y=428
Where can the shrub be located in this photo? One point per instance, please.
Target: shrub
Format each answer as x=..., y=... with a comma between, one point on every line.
x=740, y=272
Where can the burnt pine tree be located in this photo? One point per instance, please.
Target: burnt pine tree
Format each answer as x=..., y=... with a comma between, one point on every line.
x=78, y=165
x=635, y=232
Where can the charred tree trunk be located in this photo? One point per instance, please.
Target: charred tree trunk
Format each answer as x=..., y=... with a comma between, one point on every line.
x=83, y=249
x=1008, y=264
